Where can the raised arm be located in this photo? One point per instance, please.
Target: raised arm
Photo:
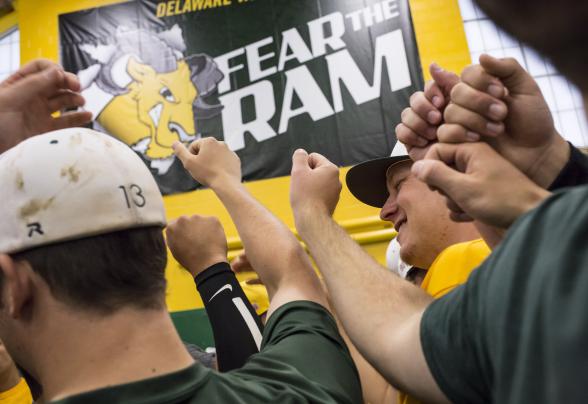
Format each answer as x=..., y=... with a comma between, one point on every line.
x=199, y=244
x=272, y=249
x=380, y=312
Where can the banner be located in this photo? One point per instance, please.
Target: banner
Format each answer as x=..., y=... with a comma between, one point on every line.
x=265, y=76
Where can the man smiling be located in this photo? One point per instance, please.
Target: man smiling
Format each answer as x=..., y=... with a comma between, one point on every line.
x=427, y=236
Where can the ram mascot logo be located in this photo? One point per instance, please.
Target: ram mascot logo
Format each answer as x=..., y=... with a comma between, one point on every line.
x=146, y=92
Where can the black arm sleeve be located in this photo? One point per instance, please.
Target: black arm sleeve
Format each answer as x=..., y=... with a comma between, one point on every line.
x=575, y=172
x=236, y=326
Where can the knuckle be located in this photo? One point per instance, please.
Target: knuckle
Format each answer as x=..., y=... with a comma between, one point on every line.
x=442, y=131
x=209, y=220
x=406, y=136
x=402, y=138
x=443, y=134
x=426, y=170
x=415, y=97
x=432, y=90
x=458, y=90
x=196, y=218
x=411, y=118
x=450, y=112
x=471, y=72
x=512, y=62
x=214, y=220
x=465, y=73
x=450, y=133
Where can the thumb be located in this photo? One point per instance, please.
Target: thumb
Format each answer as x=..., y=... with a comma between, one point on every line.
x=438, y=175
x=300, y=160
x=445, y=79
x=509, y=71
x=181, y=152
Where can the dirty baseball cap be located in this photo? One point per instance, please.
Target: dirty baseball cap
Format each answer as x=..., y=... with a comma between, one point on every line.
x=367, y=180
x=70, y=184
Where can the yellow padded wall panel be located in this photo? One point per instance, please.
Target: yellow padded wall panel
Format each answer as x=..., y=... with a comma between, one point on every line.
x=440, y=34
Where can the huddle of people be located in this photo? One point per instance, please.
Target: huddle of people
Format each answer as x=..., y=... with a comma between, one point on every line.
x=487, y=198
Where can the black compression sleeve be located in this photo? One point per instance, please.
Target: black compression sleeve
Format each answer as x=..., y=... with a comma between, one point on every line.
x=236, y=327
x=575, y=172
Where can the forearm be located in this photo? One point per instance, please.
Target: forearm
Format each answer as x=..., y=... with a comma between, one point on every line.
x=380, y=311
x=272, y=249
x=236, y=327
x=373, y=385
x=491, y=235
x=550, y=162
x=528, y=198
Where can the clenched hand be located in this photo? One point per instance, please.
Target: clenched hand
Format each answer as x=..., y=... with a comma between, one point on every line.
x=197, y=242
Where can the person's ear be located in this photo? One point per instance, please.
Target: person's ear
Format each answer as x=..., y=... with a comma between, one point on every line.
x=16, y=285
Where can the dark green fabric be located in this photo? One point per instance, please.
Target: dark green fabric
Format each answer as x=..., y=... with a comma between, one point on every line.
x=517, y=331
x=194, y=327
x=302, y=360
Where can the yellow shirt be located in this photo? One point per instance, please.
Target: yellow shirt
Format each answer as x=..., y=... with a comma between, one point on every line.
x=19, y=394
x=451, y=268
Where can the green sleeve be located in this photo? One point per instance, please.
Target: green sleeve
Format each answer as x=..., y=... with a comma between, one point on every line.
x=517, y=331
x=450, y=340
x=303, y=358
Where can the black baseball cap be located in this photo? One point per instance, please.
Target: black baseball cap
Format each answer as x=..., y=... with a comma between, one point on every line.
x=367, y=180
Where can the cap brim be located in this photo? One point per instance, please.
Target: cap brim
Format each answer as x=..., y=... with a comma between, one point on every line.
x=367, y=180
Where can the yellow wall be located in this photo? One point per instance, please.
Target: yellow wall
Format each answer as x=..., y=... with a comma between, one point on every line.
x=440, y=34
x=440, y=38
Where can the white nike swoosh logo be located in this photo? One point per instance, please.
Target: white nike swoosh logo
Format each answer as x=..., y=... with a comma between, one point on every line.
x=227, y=286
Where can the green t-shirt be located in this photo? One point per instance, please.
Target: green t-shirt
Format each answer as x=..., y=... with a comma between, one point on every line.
x=302, y=360
x=517, y=331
